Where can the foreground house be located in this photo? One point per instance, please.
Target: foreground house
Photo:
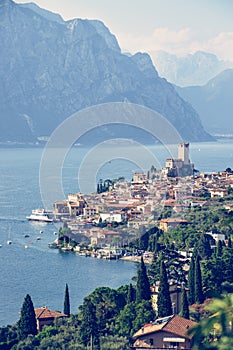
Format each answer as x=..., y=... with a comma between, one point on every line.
x=46, y=317
x=164, y=333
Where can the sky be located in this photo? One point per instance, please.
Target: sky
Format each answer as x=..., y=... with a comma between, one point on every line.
x=179, y=27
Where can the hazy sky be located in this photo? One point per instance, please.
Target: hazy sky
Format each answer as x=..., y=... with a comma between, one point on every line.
x=176, y=26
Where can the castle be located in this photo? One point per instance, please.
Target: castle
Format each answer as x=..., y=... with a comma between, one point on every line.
x=180, y=166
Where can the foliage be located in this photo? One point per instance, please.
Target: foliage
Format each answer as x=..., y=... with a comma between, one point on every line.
x=164, y=299
x=215, y=332
x=199, y=296
x=143, y=284
x=133, y=317
x=184, y=304
x=27, y=322
x=191, y=282
x=66, y=309
x=89, y=332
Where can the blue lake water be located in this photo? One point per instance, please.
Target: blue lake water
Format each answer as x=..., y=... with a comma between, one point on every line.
x=43, y=272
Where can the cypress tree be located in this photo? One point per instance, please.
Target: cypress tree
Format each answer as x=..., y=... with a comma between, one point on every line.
x=130, y=294
x=199, y=297
x=191, y=282
x=66, y=309
x=143, y=284
x=229, y=244
x=164, y=300
x=27, y=321
x=184, y=304
x=219, y=248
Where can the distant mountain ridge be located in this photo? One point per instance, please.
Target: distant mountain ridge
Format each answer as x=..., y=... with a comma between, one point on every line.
x=51, y=68
x=214, y=102
x=191, y=70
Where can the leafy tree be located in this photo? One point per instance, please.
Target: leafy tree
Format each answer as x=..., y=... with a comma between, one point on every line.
x=215, y=332
x=164, y=300
x=184, y=304
x=124, y=322
x=27, y=321
x=67, y=302
x=144, y=314
x=143, y=284
x=199, y=296
x=88, y=327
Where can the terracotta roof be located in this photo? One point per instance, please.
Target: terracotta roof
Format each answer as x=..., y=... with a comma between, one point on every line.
x=174, y=324
x=179, y=326
x=43, y=312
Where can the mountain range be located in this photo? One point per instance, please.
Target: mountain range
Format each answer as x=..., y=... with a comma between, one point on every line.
x=51, y=68
x=191, y=70
x=213, y=102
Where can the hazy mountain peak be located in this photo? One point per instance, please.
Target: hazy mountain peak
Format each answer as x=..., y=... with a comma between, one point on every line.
x=62, y=68
x=213, y=101
x=51, y=16
x=189, y=70
x=145, y=64
x=6, y=3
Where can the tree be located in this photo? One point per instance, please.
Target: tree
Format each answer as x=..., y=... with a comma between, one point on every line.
x=66, y=309
x=88, y=328
x=184, y=304
x=199, y=296
x=219, y=248
x=191, y=284
x=164, y=300
x=27, y=321
x=143, y=284
x=130, y=294
x=217, y=327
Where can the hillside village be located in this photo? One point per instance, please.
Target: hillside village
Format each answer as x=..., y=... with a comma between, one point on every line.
x=123, y=210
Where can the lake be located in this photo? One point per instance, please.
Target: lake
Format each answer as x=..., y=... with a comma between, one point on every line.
x=43, y=272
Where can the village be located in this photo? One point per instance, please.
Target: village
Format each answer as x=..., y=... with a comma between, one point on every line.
x=121, y=211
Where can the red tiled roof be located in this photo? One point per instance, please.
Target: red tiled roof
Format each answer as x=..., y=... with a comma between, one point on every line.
x=179, y=326
x=43, y=312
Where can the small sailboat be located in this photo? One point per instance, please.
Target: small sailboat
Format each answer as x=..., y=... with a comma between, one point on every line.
x=0, y=246
x=9, y=241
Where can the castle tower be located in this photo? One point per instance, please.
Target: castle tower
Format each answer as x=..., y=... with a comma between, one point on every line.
x=183, y=152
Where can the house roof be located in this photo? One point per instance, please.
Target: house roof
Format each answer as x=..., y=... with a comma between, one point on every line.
x=43, y=313
x=179, y=326
x=174, y=324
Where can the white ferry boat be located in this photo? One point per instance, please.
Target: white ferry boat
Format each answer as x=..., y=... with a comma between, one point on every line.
x=40, y=215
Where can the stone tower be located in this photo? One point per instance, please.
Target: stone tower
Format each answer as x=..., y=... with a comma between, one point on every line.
x=183, y=152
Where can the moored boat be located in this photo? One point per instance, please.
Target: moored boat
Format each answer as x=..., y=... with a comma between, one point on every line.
x=40, y=215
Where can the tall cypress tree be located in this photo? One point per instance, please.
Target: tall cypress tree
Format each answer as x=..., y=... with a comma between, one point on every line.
x=143, y=284
x=27, y=321
x=130, y=294
x=219, y=248
x=164, y=300
x=199, y=296
x=191, y=281
x=229, y=244
x=66, y=309
x=184, y=304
